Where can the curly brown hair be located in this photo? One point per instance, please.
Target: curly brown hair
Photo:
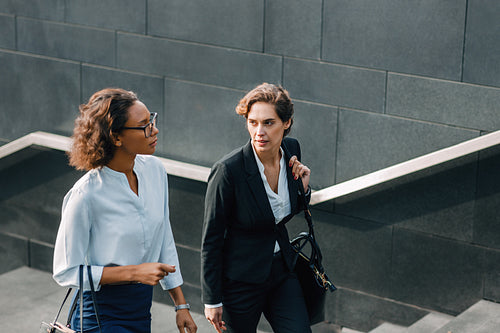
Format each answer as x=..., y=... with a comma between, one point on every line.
x=100, y=120
x=272, y=94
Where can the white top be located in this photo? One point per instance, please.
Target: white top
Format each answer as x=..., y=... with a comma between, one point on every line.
x=104, y=223
x=280, y=202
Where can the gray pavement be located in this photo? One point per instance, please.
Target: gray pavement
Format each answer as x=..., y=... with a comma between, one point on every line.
x=29, y=296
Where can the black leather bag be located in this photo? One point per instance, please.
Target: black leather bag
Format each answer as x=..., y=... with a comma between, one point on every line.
x=310, y=272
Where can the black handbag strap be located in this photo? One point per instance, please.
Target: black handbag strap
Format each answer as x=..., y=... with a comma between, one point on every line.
x=60, y=308
x=80, y=292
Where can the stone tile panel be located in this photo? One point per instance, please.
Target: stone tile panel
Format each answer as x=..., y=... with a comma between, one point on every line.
x=199, y=63
x=293, y=28
x=424, y=38
x=66, y=41
x=42, y=9
x=482, y=45
x=237, y=24
x=13, y=252
x=8, y=29
x=486, y=217
x=186, y=203
x=335, y=85
x=34, y=99
x=436, y=273
x=125, y=15
x=369, y=142
x=200, y=124
x=445, y=102
x=438, y=201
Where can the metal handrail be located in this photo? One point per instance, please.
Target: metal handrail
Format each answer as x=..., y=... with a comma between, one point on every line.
x=200, y=173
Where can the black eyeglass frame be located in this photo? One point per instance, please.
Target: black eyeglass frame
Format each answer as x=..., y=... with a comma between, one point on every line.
x=152, y=123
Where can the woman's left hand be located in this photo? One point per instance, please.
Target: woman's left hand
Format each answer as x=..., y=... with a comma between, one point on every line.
x=300, y=170
x=184, y=320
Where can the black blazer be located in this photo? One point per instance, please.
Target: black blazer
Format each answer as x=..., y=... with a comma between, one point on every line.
x=239, y=230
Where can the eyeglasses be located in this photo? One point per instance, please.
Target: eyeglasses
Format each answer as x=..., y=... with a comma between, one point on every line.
x=148, y=128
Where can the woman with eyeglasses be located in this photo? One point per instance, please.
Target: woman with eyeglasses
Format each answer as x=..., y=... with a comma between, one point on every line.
x=115, y=219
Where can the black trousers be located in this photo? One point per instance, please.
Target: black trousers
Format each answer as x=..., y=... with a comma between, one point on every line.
x=279, y=298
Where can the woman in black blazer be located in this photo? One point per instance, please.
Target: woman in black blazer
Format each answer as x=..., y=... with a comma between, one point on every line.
x=246, y=258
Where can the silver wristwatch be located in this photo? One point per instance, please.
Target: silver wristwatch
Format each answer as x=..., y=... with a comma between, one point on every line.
x=182, y=306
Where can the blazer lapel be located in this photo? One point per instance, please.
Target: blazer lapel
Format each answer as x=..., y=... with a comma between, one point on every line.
x=255, y=181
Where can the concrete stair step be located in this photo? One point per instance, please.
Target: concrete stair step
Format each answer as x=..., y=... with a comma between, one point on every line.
x=430, y=323
x=388, y=328
x=349, y=330
x=482, y=317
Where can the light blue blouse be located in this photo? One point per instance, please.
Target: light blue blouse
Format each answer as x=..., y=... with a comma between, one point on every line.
x=104, y=223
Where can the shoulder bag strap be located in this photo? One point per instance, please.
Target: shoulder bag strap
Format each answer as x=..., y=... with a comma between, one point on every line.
x=60, y=308
x=80, y=294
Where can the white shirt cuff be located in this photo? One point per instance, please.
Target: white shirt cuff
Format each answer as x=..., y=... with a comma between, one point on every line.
x=212, y=306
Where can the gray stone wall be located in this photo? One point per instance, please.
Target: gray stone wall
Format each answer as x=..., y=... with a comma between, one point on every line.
x=375, y=83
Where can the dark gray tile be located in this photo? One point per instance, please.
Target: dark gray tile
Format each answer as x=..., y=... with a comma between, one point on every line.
x=200, y=124
x=438, y=201
x=369, y=142
x=364, y=312
x=436, y=273
x=189, y=261
x=482, y=45
x=66, y=41
x=335, y=85
x=352, y=250
x=486, y=217
x=41, y=255
x=237, y=24
x=492, y=275
x=34, y=99
x=126, y=15
x=43, y=9
x=445, y=102
x=411, y=37
x=293, y=28
x=194, y=62
x=186, y=202
x=8, y=29
x=315, y=126
x=32, y=194
x=148, y=88
x=13, y=252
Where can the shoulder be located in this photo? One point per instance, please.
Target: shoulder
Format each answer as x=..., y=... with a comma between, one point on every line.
x=232, y=160
x=292, y=145
x=84, y=187
x=149, y=163
x=228, y=166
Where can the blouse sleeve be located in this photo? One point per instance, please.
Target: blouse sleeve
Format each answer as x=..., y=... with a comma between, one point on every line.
x=168, y=254
x=72, y=242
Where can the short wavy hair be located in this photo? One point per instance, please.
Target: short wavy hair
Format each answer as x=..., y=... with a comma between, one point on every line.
x=272, y=94
x=100, y=120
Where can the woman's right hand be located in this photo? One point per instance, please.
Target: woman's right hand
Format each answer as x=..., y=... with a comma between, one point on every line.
x=214, y=316
x=152, y=272
x=148, y=273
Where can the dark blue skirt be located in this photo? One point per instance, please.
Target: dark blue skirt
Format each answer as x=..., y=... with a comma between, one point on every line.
x=122, y=308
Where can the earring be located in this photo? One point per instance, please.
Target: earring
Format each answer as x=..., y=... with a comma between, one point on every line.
x=119, y=144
